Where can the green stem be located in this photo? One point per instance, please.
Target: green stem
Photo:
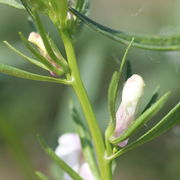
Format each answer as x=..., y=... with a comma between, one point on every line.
x=77, y=84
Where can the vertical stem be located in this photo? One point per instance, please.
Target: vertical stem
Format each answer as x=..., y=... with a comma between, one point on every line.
x=80, y=91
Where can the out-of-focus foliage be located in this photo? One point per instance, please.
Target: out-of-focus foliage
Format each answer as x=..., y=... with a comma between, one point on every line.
x=32, y=108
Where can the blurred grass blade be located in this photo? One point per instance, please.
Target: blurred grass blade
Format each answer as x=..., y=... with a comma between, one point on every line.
x=85, y=141
x=114, y=84
x=31, y=60
x=12, y=3
x=10, y=135
x=153, y=99
x=172, y=118
x=41, y=176
x=27, y=75
x=59, y=161
x=141, y=120
x=151, y=42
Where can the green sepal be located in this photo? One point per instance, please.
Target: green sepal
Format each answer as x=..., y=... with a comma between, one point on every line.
x=27, y=75
x=166, y=123
x=85, y=139
x=141, y=120
x=151, y=42
x=12, y=3
x=61, y=163
x=41, y=176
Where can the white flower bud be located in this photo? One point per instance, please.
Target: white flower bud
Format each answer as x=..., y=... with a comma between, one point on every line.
x=132, y=92
x=36, y=39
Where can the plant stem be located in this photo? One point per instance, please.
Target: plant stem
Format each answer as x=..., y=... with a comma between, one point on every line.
x=77, y=84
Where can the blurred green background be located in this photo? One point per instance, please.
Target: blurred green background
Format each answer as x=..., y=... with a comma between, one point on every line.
x=28, y=108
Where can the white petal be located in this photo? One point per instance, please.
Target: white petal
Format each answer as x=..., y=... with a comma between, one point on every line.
x=85, y=172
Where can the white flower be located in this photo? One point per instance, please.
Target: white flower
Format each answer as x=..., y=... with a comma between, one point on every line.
x=69, y=149
x=132, y=92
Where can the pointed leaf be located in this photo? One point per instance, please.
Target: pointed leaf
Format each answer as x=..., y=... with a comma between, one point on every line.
x=27, y=75
x=41, y=176
x=33, y=61
x=172, y=118
x=12, y=3
x=59, y=161
x=142, y=119
x=151, y=42
x=85, y=141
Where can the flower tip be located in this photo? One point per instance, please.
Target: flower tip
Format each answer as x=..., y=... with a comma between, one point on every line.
x=36, y=39
x=133, y=89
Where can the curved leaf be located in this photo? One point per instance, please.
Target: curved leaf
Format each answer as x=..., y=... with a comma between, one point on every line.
x=151, y=42
x=74, y=175
x=27, y=75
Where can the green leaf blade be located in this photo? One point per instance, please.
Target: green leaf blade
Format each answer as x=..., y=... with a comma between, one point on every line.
x=59, y=161
x=27, y=75
x=150, y=42
x=41, y=176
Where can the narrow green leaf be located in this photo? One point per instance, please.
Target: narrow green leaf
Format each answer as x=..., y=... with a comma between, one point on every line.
x=31, y=60
x=12, y=3
x=27, y=75
x=59, y=161
x=142, y=119
x=172, y=118
x=151, y=42
x=153, y=99
x=41, y=176
x=85, y=141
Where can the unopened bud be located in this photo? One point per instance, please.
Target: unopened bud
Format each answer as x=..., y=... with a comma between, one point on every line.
x=132, y=92
x=36, y=39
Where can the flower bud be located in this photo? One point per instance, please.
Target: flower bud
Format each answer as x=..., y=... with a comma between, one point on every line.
x=131, y=94
x=36, y=39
